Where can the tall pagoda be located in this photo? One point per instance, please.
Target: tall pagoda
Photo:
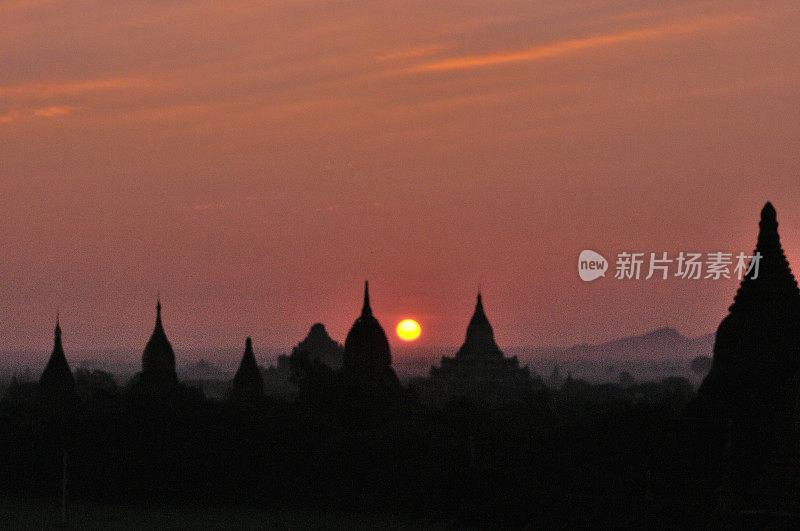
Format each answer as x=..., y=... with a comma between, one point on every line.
x=367, y=359
x=57, y=385
x=757, y=346
x=752, y=392
x=158, y=358
x=158, y=376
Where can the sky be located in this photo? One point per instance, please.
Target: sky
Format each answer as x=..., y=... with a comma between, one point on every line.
x=255, y=162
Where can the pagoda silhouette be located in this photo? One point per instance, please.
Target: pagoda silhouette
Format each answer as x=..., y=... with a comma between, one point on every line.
x=57, y=385
x=321, y=347
x=158, y=377
x=317, y=352
x=479, y=368
x=248, y=385
x=367, y=359
x=751, y=392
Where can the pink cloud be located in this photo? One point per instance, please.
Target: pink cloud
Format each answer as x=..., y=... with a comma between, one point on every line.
x=556, y=49
x=54, y=110
x=9, y=117
x=64, y=88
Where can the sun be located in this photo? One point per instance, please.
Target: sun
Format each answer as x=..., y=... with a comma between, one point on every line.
x=408, y=330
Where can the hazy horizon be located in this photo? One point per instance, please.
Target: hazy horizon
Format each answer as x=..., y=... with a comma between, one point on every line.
x=397, y=344
x=229, y=357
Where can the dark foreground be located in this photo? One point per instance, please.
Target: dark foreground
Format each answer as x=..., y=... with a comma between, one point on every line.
x=44, y=514
x=591, y=456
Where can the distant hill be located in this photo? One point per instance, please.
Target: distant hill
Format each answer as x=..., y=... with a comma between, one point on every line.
x=660, y=352
x=664, y=344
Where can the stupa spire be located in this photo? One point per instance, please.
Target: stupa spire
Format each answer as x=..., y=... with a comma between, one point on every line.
x=58, y=349
x=57, y=384
x=479, y=330
x=479, y=305
x=366, y=310
x=158, y=356
x=768, y=212
x=367, y=359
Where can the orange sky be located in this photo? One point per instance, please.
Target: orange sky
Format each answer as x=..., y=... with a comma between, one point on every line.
x=256, y=161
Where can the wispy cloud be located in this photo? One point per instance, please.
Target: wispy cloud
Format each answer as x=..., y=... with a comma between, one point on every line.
x=43, y=112
x=66, y=88
x=54, y=110
x=9, y=117
x=413, y=53
x=556, y=49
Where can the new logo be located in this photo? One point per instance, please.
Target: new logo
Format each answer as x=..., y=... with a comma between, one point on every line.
x=591, y=265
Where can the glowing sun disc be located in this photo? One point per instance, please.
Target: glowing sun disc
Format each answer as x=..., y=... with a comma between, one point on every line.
x=408, y=330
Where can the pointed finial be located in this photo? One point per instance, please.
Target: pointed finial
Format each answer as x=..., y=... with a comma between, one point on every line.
x=480, y=315
x=366, y=310
x=768, y=225
x=248, y=345
x=158, y=308
x=768, y=213
x=58, y=324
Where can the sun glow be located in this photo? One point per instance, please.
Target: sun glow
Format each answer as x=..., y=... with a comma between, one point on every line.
x=408, y=330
